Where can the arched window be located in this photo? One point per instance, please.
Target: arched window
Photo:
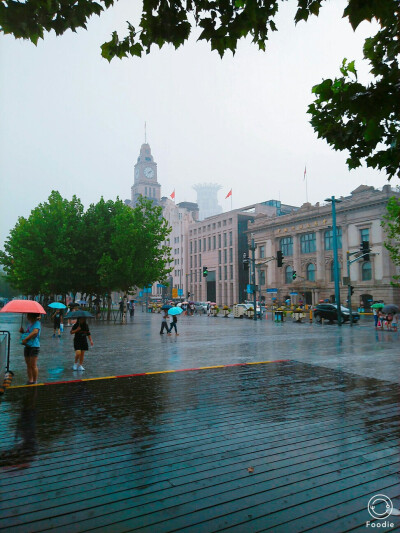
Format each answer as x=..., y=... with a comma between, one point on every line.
x=333, y=271
x=311, y=272
x=289, y=274
x=366, y=271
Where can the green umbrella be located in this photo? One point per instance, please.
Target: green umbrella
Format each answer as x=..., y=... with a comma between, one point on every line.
x=377, y=306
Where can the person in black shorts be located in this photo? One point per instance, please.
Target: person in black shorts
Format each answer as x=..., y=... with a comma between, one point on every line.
x=31, y=342
x=57, y=317
x=81, y=331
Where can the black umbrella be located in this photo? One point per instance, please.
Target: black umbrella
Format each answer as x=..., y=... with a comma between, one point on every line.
x=166, y=307
x=390, y=309
x=79, y=314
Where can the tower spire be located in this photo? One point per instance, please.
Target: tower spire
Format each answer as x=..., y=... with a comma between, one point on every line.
x=145, y=133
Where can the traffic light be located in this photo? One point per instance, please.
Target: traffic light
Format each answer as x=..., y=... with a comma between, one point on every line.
x=205, y=272
x=351, y=289
x=294, y=275
x=188, y=295
x=365, y=250
x=279, y=258
x=245, y=261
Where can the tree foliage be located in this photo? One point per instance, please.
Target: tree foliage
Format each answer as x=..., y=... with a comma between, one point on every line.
x=391, y=224
x=361, y=119
x=365, y=119
x=60, y=248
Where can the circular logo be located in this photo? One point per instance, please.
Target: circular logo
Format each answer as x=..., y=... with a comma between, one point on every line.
x=380, y=506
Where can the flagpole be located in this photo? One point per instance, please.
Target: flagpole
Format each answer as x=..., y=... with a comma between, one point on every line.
x=305, y=177
x=231, y=202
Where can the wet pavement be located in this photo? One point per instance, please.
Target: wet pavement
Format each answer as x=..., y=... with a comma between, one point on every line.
x=138, y=347
x=294, y=445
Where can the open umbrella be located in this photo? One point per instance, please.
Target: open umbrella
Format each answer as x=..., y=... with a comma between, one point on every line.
x=57, y=305
x=23, y=306
x=390, y=309
x=175, y=311
x=377, y=306
x=80, y=313
x=166, y=307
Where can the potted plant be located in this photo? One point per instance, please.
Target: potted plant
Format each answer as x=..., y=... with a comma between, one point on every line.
x=226, y=310
x=215, y=310
x=250, y=312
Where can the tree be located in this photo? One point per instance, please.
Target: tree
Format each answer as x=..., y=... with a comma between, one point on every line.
x=391, y=224
x=41, y=252
x=363, y=119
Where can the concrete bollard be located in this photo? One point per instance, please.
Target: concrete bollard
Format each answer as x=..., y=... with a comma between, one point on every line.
x=8, y=376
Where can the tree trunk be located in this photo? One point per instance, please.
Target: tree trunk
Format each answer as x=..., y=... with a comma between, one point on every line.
x=123, y=319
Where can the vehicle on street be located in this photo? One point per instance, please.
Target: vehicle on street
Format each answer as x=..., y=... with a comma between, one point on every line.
x=329, y=312
x=247, y=306
x=201, y=307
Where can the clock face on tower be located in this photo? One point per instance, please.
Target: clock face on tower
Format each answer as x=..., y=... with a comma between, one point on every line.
x=149, y=172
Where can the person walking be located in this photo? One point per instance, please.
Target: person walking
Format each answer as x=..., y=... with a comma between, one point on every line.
x=31, y=342
x=173, y=323
x=164, y=323
x=375, y=312
x=82, y=333
x=57, y=319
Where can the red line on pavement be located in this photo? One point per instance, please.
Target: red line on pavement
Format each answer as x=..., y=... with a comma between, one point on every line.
x=147, y=373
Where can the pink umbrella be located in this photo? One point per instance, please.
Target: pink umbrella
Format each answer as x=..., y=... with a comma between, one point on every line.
x=23, y=306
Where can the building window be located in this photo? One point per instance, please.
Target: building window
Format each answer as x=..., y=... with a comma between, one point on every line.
x=191, y=247
x=220, y=272
x=230, y=255
x=364, y=235
x=329, y=238
x=145, y=191
x=195, y=276
x=214, y=242
x=219, y=224
x=289, y=274
x=199, y=245
x=199, y=260
x=333, y=271
x=262, y=277
x=195, y=261
x=191, y=262
x=230, y=238
x=231, y=271
x=204, y=244
x=366, y=271
x=262, y=252
x=311, y=272
x=224, y=239
x=225, y=272
x=225, y=256
x=286, y=246
x=219, y=256
x=209, y=243
x=224, y=222
x=195, y=247
x=219, y=240
x=308, y=243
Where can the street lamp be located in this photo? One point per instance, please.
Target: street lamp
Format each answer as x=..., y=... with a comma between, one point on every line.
x=334, y=201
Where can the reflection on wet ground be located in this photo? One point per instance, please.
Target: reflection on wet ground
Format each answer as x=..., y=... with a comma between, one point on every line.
x=138, y=347
x=284, y=446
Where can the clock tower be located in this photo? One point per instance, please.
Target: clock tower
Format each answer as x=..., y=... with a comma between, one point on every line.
x=145, y=181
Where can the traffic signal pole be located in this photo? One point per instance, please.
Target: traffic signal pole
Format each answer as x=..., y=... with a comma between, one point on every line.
x=334, y=201
x=365, y=252
x=253, y=260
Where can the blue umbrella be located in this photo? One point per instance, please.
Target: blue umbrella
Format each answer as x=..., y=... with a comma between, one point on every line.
x=175, y=311
x=57, y=305
x=166, y=307
x=79, y=314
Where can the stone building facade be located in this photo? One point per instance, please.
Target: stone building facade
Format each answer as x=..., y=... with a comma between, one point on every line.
x=306, y=240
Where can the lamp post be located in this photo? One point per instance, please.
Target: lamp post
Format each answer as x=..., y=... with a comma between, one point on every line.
x=334, y=201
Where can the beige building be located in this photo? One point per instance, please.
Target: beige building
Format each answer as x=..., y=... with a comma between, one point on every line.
x=218, y=243
x=305, y=238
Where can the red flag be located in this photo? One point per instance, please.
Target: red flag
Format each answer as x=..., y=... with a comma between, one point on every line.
x=173, y=195
x=229, y=194
x=305, y=173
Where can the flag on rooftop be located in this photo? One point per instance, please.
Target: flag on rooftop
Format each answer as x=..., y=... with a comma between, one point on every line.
x=229, y=194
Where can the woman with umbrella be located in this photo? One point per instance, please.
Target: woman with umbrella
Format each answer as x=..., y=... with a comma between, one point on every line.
x=82, y=333
x=173, y=312
x=57, y=317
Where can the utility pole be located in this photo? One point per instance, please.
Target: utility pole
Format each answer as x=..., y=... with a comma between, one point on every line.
x=253, y=261
x=334, y=201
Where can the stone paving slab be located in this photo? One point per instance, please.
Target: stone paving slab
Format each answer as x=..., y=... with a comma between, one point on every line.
x=284, y=446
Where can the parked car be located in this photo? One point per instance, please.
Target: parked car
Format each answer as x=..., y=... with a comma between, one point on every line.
x=246, y=307
x=201, y=307
x=329, y=312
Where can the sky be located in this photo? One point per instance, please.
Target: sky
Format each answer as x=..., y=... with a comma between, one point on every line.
x=70, y=121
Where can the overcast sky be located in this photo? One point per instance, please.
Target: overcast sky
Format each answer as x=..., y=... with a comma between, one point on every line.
x=72, y=122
